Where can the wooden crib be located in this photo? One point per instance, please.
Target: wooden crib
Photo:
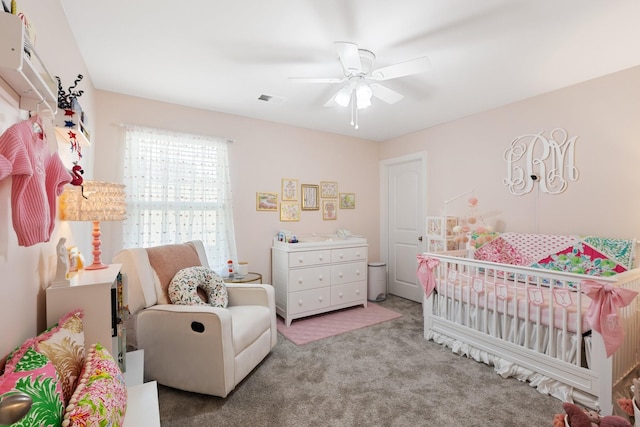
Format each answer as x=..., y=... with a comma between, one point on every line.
x=530, y=323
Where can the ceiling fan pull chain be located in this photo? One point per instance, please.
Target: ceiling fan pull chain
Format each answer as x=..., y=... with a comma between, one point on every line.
x=352, y=110
x=356, y=113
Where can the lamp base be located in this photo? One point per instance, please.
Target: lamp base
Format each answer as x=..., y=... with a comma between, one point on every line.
x=97, y=262
x=96, y=266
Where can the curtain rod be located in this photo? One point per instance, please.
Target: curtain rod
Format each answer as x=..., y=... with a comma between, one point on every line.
x=124, y=125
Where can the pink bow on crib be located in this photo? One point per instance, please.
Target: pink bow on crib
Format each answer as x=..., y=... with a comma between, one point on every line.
x=425, y=273
x=602, y=315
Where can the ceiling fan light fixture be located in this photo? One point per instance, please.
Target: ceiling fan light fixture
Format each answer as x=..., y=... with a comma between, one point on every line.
x=343, y=97
x=363, y=95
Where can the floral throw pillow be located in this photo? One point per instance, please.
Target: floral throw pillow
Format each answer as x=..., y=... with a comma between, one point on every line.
x=63, y=344
x=100, y=398
x=34, y=374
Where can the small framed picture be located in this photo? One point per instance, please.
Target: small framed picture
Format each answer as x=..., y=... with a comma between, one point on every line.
x=329, y=190
x=309, y=197
x=266, y=201
x=289, y=189
x=289, y=211
x=329, y=209
x=347, y=200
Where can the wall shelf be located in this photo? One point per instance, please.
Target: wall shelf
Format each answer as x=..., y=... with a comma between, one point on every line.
x=22, y=69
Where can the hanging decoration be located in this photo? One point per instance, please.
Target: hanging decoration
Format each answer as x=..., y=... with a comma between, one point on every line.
x=472, y=229
x=70, y=121
x=535, y=158
x=77, y=173
x=67, y=99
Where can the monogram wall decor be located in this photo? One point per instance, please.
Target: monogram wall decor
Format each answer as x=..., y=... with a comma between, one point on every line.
x=549, y=161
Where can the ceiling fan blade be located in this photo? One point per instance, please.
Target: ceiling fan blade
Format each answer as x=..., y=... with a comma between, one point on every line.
x=385, y=94
x=349, y=57
x=414, y=66
x=316, y=79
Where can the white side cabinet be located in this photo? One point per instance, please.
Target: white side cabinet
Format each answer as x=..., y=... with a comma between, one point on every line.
x=319, y=276
x=142, y=398
x=100, y=294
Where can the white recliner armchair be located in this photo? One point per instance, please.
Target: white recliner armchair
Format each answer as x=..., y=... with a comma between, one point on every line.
x=196, y=348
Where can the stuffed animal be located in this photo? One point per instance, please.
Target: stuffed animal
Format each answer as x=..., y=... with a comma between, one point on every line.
x=578, y=417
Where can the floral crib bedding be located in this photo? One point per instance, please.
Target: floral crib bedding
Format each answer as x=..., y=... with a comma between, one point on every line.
x=595, y=256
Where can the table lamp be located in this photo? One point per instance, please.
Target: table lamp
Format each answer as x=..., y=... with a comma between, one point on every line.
x=94, y=201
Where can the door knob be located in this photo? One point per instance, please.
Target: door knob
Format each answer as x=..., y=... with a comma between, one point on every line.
x=420, y=238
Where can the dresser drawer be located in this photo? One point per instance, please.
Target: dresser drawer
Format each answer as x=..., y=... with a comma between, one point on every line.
x=348, y=292
x=313, y=299
x=307, y=258
x=348, y=272
x=301, y=279
x=349, y=254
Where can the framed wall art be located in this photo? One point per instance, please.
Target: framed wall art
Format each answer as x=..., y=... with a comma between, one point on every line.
x=289, y=211
x=310, y=199
x=347, y=200
x=266, y=201
x=289, y=189
x=329, y=210
x=329, y=190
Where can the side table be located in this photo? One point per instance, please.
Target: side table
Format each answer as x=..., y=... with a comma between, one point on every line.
x=249, y=278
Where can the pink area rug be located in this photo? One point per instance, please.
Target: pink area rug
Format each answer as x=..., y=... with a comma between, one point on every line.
x=314, y=328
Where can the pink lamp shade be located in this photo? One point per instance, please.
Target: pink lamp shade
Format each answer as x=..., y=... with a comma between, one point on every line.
x=94, y=201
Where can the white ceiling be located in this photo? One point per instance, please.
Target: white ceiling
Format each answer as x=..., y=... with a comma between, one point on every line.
x=222, y=55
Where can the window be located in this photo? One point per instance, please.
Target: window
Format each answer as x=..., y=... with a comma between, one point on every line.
x=178, y=189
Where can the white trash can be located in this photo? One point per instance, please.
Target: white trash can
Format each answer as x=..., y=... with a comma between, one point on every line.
x=377, y=281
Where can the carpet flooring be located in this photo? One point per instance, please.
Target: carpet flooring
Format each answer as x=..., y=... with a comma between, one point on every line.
x=382, y=375
x=314, y=328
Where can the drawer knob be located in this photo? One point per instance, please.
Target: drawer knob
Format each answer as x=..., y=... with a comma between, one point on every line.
x=320, y=299
x=341, y=256
x=320, y=258
x=300, y=280
x=340, y=294
x=357, y=254
x=340, y=274
x=357, y=291
x=300, y=260
x=320, y=278
x=300, y=303
x=357, y=272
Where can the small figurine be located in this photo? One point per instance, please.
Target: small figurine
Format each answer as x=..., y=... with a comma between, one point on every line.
x=62, y=267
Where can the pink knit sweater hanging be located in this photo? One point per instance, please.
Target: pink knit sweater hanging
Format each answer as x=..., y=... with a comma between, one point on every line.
x=38, y=179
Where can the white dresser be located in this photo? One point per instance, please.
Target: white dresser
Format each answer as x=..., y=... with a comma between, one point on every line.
x=318, y=274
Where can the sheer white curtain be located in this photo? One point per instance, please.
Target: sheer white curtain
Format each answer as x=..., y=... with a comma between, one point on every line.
x=178, y=189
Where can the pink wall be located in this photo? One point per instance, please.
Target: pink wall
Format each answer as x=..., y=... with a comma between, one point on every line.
x=263, y=153
x=27, y=271
x=468, y=153
x=462, y=155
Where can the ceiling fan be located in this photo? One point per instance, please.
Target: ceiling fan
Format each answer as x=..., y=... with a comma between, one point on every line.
x=361, y=81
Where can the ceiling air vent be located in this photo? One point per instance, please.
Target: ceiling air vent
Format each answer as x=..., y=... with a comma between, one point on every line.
x=271, y=99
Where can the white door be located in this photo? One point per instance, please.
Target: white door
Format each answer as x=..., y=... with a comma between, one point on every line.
x=404, y=214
